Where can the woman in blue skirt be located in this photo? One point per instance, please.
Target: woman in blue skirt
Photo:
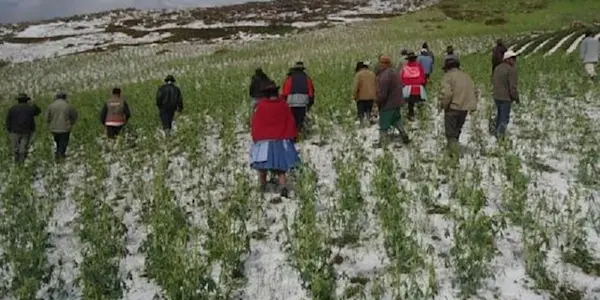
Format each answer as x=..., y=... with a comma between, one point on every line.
x=273, y=130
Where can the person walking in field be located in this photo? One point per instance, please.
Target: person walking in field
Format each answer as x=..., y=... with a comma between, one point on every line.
x=364, y=91
x=299, y=91
x=258, y=79
x=273, y=131
x=168, y=100
x=413, y=84
x=429, y=52
x=20, y=124
x=426, y=62
x=390, y=100
x=505, y=91
x=590, y=52
x=458, y=98
x=498, y=54
x=115, y=114
x=61, y=116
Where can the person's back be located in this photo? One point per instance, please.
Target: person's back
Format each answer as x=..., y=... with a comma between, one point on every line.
x=459, y=91
x=590, y=48
x=389, y=89
x=365, y=85
x=22, y=118
x=413, y=73
x=61, y=116
x=426, y=62
x=504, y=82
x=169, y=98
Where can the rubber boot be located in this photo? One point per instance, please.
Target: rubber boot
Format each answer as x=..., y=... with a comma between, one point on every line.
x=383, y=139
x=403, y=135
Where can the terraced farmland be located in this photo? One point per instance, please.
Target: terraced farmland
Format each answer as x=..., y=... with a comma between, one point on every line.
x=564, y=41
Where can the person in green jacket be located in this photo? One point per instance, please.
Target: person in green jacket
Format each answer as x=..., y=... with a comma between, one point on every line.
x=61, y=116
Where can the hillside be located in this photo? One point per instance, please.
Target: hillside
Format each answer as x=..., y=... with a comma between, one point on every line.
x=182, y=218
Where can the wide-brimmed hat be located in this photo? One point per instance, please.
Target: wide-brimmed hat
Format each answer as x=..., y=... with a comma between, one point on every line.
x=22, y=97
x=509, y=54
x=169, y=78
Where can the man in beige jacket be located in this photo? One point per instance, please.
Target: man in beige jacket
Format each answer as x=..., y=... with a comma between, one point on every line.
x=365, y=91
x=459, y=97
x=61, y=116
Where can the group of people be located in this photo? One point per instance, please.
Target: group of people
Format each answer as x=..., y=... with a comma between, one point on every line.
x=61, y=116
x=278, y=116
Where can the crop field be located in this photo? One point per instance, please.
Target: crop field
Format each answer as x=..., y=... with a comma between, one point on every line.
x=181, y=218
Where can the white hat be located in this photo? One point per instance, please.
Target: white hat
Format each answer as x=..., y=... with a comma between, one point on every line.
x=509, y=54
x=424, y=50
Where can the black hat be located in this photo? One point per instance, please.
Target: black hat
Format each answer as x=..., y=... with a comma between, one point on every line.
x=61, y=95
x=411, y=55
x=299, y=65
x=22, y=97
x=170, y=78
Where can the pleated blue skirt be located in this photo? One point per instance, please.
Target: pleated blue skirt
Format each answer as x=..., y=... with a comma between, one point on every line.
x=274, y=155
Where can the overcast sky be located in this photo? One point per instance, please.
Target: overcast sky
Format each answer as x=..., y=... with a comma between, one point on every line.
x=28, y=10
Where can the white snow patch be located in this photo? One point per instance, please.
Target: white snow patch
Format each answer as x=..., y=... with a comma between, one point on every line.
x=63, y=28
x=301, y=24
x=559, y=44
x=575, y=44
x=523, y=48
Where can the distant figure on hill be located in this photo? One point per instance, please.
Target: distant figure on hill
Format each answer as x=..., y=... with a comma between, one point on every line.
x=426, y=62
x=429, y=52
x=450, y=54
x=299, y=91
x=168, y=100
x=115, y=114
x=505, y=91
x=458, y=98
x=61, y=116
x=258, y=79
x=498, y=54
x=273, y=132
x=364, y=91
x=413, y=84
x=20, y=124
x=403, y=55
x=389, y=100
x=590, y=48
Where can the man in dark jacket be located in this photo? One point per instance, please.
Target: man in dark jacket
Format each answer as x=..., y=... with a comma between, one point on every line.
x=390, y=100
x=505, y=91
x=20, y=124
x=498, y=54
x=168, y=101
x=61, y=116
x=299, y=91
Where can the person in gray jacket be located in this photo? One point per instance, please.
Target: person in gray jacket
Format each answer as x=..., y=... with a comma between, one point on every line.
x=590, y=48
x=505, y=91
x=61, y=116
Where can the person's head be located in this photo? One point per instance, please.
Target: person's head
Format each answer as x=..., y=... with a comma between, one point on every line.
x=23, y=98
x=169, y=79
x=450, y=49
x=61, y=96
x=510, y=57
x=411, y=56
x=499, y=42
x=589, y=33
x=385, y=61
x=451, y=64
x=269, y=90
x=425, y=46
x=299, y=66
x=360, y=66
x=424, y=51
x=404, y=52
x=116, y=91
x=259, y=72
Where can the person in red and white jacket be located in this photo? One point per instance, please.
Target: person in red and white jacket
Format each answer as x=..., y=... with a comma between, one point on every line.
x=413, y=81
x=299, y=92
x=273, y=131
